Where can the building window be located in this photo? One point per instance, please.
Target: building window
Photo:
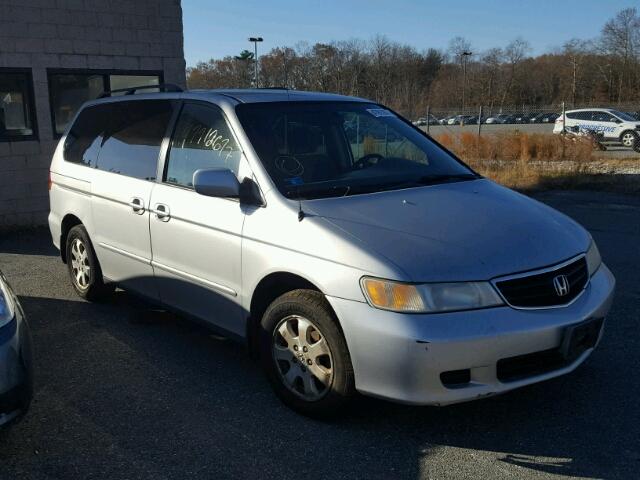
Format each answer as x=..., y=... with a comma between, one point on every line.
x=69, y=89
x=17, y=117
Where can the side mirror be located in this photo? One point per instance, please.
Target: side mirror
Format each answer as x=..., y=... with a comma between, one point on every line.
x=617, y=120
x=216, y=183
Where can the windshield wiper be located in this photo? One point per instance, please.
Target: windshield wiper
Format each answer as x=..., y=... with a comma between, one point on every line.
x=431, y=180
x=317, y=191
x=434, y=179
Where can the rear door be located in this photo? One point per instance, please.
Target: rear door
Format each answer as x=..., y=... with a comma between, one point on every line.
x=121, y=192
x=196, y=240
x=586, y=121
x=604, y=123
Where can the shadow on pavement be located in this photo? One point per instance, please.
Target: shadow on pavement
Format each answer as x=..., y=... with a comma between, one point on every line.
x=34, y=241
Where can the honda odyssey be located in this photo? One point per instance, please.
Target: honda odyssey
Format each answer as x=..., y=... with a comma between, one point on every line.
x=347, y=249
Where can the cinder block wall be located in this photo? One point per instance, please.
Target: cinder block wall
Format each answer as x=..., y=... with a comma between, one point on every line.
x=86, y=34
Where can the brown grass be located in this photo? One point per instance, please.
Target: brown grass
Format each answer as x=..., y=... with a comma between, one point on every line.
x=541, y=161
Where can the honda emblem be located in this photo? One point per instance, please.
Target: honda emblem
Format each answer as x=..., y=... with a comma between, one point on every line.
x=561, y=285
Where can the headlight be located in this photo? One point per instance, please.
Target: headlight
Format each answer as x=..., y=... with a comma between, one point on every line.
x=6, y=304
x=593, y=258
x=428, y=297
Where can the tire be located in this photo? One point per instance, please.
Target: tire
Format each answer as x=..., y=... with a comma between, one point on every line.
x=628, y=138
x=84, y=269
x=312, y=373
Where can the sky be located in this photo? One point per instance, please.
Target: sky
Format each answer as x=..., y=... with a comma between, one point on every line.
x=214, y=28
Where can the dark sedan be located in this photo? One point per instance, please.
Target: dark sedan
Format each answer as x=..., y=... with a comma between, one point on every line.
x=16, y=370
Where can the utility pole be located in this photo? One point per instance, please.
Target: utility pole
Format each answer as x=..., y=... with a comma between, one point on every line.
x=255, y=41
x=284, y=64
x=464, y=56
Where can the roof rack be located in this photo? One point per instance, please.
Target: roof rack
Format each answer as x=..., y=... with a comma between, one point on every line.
x=163, y=87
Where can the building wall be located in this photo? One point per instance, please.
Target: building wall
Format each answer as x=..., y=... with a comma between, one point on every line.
x=78, y=34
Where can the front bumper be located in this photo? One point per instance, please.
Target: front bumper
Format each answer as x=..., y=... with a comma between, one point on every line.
x=401, y=356
x=16, y=369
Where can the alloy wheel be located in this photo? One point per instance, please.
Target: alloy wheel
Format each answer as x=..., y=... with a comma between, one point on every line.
x=303, y=357
x=80, y=267
x=628, y=139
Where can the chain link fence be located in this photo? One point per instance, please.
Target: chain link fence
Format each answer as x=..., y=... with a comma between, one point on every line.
x=515, y=115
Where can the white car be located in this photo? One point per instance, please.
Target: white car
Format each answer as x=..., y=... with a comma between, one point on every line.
x=614, y=125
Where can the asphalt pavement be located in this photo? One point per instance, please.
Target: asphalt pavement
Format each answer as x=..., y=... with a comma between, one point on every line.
x=124, y=391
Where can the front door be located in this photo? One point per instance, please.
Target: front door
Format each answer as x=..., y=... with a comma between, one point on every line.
x=196, y=240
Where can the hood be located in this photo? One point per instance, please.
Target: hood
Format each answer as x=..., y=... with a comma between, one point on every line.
x=473, y=230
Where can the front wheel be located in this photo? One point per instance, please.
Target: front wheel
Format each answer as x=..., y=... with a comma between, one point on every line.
x=628, y=139
x=305, y=355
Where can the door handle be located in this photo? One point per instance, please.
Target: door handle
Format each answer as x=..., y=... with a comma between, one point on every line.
x=162, y=212
x=137, y=205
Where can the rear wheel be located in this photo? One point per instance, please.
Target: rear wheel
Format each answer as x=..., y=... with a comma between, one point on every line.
x=305, y=355
x=628, y=139
x=84, y=268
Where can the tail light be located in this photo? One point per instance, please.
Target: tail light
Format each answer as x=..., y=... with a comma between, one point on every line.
x=50, y=182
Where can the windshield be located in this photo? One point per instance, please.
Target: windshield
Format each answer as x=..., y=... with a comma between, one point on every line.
x=325, y=149
x=624, y=116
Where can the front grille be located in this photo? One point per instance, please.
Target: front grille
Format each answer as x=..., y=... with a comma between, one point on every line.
x=538, y=290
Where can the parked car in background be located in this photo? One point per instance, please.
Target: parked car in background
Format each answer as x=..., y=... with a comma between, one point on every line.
x=549, y=117
x=16, y=364
x=343, y=264
x=523, y=117
x=422, y=121
x=537, y=118
x=615, y=126
x=497, y=119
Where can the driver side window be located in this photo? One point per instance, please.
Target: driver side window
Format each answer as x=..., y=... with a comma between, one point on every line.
x=202, y=139
x=367, y=135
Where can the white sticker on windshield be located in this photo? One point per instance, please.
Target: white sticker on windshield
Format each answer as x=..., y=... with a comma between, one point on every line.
x=380, y=112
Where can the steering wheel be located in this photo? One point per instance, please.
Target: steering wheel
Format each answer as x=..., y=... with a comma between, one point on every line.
x=369, y=160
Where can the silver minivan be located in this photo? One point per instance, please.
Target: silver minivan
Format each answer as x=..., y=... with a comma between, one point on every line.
x=347, y=249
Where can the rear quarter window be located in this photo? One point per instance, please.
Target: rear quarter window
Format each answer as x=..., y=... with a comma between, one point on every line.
x=82, y=143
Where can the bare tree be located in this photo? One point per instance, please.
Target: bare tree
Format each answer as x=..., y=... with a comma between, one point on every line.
x=514, y=53
x=408, y=80
x=621, y=40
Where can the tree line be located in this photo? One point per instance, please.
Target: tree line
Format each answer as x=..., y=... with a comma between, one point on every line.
x=604, y=70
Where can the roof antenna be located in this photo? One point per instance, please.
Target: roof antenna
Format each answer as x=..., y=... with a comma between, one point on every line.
x=300, y=211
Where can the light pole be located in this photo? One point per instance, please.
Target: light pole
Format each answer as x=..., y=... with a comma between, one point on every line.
x=464, y=56
x=255, y=41
x=284, y=64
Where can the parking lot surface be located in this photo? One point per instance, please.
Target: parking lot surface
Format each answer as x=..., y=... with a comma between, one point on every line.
x=126, y=391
